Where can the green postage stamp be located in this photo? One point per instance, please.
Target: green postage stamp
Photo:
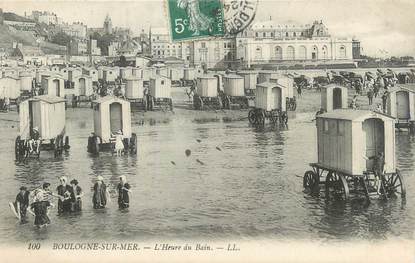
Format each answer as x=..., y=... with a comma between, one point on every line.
x=192, y=19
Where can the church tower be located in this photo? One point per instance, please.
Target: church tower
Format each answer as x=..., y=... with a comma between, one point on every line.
x=108, y=25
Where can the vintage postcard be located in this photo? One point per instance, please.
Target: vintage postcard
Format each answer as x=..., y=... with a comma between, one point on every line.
x=207, y=131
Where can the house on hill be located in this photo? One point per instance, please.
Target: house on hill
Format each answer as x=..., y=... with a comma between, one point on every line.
x=29, y=55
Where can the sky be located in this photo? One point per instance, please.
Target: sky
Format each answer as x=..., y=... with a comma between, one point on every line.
x=380, y=25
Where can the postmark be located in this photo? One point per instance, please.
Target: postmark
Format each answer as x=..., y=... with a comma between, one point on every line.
x=195, y=19
x=238, y=14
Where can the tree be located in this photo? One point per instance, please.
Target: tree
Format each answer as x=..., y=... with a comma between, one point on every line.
x=61, y=39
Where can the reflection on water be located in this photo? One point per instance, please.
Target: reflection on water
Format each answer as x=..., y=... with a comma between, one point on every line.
x=239, y=181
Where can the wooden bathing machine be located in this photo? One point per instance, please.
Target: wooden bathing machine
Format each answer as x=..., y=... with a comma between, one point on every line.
x=53, y=85
x=401, y=104
x=45, y=112
x=134, y=88
x=345, y=136
x=160, y=87
x=333, y=97
x=9, y=87
x=233, y=85
x=284, y=81
x=250, y=79
x=207, y=86
x=270, y=96
x=111, y=114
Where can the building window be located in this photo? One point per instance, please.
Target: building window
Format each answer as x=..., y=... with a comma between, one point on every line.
x=217, y=54
x=302, y=53
x=286, y=34
x=295, y=34
x=258, y=52
x=342, y=52
x=314, y=53
x=272, y=34
x=264, y=34
x=324, y=52
x=290, y=53
x=256, y=34
x=203, y=45
x=278, y=53
x=162, y=82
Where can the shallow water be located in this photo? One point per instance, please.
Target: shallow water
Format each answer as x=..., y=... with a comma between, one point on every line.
x=247, y=184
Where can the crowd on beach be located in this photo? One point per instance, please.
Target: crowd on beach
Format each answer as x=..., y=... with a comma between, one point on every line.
x=39, y=201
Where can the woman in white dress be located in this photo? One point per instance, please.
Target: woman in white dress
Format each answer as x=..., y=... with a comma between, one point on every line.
x=119, y=145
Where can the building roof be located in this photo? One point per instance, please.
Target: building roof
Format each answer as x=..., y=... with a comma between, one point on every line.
x=31, y=51
x=274, y=25
x=353, y=115
x=48, y=98
x=268, y=84
x=109, y=99
x=233, y=76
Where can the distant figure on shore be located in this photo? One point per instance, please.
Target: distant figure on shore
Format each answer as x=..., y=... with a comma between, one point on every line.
x=76, y=195
x=385, y=100
x=34, y=140
x=101, y=194
x=40, y=206
x=123, y=193
x=353, y=104
x=370, y=96
x=378, y=169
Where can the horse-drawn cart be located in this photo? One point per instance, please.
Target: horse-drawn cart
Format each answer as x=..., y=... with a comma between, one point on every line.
x=269, y=104
x=44, y=115
x=356, y=155
x=111, y=116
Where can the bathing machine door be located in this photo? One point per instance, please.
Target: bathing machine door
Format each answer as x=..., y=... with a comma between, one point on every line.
x=115, y=117
x=56, y=87
x=337, y=98
x=402, y=105
x=374, y=131
x=82, y=87
x=276, y=98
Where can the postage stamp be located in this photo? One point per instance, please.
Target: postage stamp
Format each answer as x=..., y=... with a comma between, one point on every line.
x=193, y=19
x=238, y=14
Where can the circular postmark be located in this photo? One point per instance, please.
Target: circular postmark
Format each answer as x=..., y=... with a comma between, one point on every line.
x=238, y=14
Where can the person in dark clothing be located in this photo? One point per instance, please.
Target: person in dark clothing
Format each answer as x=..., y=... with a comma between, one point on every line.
x=22, y=203
x=370, y=96
x=76, y=195
x=101, y=194
x=123, y=193
x=378, y=169
x=40, y=206
x=64, y=193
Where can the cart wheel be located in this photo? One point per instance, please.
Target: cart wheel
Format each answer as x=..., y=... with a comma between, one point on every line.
x=294, y=105
x=260, y=117
x=252, y=117
x=310, y=180
x=394, y=185
x=336, y=186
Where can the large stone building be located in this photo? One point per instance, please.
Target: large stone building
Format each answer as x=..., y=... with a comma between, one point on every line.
x=215, y=53
x=46, y=17
x=268, y=42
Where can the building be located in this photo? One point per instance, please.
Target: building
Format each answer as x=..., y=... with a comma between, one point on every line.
x=162, y=47
x=77, y=30
x=29, y=55
x=78, y=47
x=107, y=25
x=215, y=53
x=93, y=49
x=45, y=17
x=268, y=42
